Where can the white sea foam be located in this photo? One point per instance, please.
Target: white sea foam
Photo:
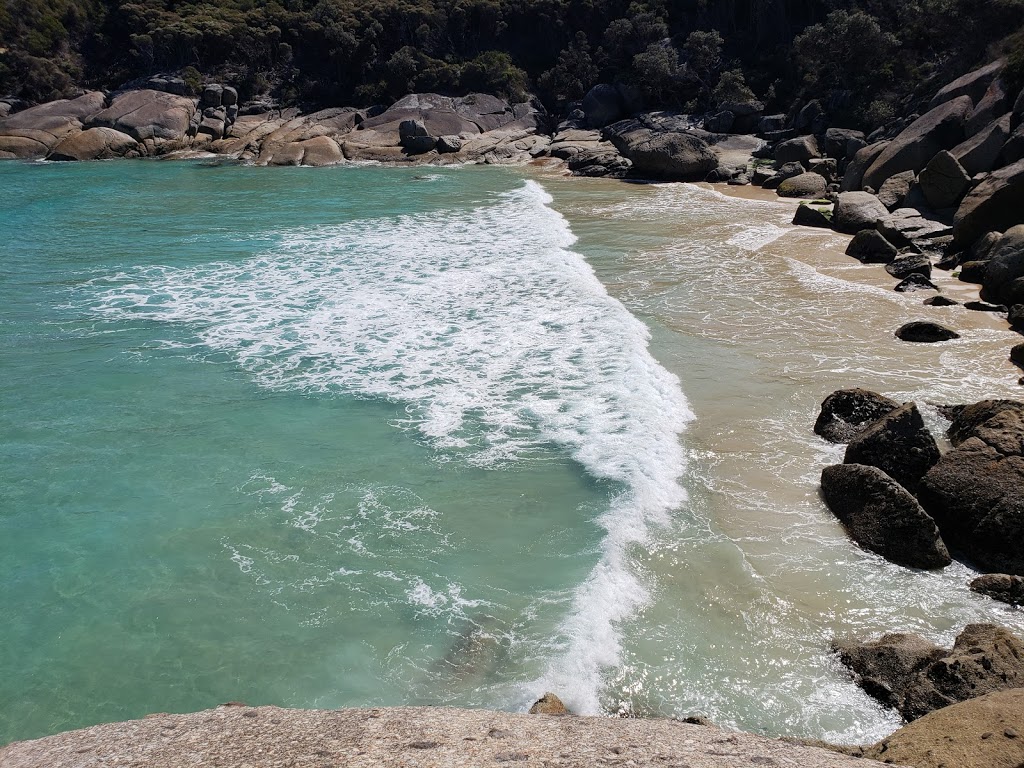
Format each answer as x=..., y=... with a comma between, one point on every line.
x=499, y=339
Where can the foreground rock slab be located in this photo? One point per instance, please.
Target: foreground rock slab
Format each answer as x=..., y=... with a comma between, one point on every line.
x=426, y=737
x=986, y=732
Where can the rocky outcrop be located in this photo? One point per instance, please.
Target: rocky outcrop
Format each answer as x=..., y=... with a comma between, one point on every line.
x=847, y=412
x=94, y=144
x=673, y=155
x=973, y=84
x=940, y=128
x=428, y=737
x=33, y=132
x=983, y=732
x=147, y=115
x=925, y=332
x=1000, y=586
x=976, y=493
x=916, y=677
x=882, y=517
x=898, y=444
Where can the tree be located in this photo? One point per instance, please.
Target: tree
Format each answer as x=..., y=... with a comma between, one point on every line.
x=704, y=54
x=849, y=51
x=574, y=73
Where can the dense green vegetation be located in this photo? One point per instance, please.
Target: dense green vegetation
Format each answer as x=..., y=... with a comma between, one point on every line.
x=864, y=57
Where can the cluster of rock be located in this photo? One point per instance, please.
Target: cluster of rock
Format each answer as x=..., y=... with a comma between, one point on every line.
x=148, y=122
x=900, y=497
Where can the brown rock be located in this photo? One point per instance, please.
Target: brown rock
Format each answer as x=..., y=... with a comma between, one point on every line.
x=899, y=444
x=882, y=517
x=93, y=144
x=944, y=181
x=994, y=204
x=147, y=114
x=855, y=211
x=548, y=704
x=809, y=185
x=960, y=736
x=847, y=412
x=1000, y=586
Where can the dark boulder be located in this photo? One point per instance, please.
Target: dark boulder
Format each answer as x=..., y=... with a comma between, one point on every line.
x=858, y=210
x=882, y=517
x=785, y=171
x=1017, y=355
x=915, y=263
x=869, y=247
x=996, y=203
x=1000, y=586
x=720, y=122
x=973, y=272
x=976, y=494
x=813, y=216
x=1005, y=265
x=811, y=118
x=944, y=181
x=899, y=444
x=940, y=128
x=1016, y=317
x=916, y=677
x=1013, y=148
x=940, y=301
x=905, y=226
x=925, y=332
x=846, y=412
x=212, y=96
x=915, y=282
x=983, y=306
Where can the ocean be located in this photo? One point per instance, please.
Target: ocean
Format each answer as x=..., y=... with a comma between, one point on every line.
x=374, y=436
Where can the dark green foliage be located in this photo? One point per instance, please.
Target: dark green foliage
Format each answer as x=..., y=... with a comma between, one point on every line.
x=869, y=54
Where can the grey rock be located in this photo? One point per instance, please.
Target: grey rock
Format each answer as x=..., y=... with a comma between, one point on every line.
x=853, y=179
x=1013, y=148
x=895, y=189
x=229, y=96
x=837, y=142
x=847, y=412
x=771, y=123
x=670, y=155
x=882, y=517
x=212, y=96
x=93, y=144
x=944, y=181
x=798, y=150
x=940, y=128
x=973, y=84
x=448, y=144
x=811, y=118
x=940, y=301
x=996, y=203
x=925, y=332
x=980, y=152
x=858, y=210
x=721, y=122
x=994, y=103
x=906, y=227
x=808, y=185
x=147, y=114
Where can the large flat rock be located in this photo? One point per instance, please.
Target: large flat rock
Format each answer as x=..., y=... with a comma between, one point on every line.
x=426, y=737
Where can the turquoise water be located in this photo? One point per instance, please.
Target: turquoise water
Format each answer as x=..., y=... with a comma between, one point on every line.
x=353, y=436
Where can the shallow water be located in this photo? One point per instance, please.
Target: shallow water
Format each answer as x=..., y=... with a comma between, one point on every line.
x=375, y=436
